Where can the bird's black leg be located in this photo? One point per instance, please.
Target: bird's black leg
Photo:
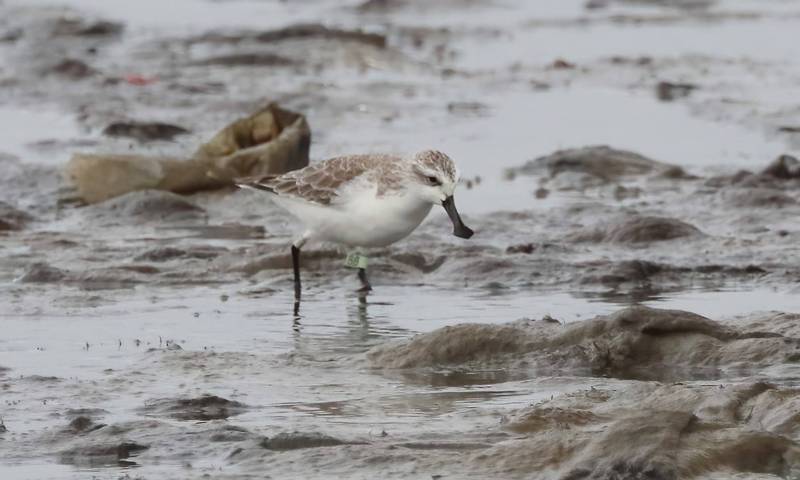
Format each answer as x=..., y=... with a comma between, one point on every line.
x=296, y=267
x=362, y=275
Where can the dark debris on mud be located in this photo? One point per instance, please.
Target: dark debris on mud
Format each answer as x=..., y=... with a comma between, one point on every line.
x=306, y=31
x=82, y=425
x=144, y=131
x=601, y=162
x=638, y=229
x=73, y=69
x=78, y=27
x=299, y=440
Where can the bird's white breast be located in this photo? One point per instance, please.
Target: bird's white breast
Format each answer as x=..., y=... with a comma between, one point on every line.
x=362, y=218
x=383, y=220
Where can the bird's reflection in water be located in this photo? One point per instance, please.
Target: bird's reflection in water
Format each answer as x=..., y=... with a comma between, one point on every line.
x=362, y=315
x=368, y=324
x=358, y=323
x=321, y=331
x=296, y=317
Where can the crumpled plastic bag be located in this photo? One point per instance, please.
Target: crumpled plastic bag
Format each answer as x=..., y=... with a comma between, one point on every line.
x=271, y=141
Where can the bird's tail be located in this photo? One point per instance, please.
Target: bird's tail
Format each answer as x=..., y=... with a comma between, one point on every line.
x=261, y=182
x=252, y=183
x=253, y=186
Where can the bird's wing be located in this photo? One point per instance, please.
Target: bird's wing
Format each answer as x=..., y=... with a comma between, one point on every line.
x=321, y=183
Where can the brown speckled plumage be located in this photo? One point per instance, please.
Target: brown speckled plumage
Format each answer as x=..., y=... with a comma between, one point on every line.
x=322, y=182
x=437, y=161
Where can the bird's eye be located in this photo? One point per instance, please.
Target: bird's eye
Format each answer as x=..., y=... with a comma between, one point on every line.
x=434, y=181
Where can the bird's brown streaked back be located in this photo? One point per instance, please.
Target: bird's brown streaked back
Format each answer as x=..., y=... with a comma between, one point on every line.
x=322, y=182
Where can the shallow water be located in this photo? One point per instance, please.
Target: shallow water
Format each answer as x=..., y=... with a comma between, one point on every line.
x=23, y=127
x=46, y=340
x=525, y=125
x=520, y=126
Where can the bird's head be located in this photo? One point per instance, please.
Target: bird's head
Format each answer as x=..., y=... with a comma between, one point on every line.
x=436, y=176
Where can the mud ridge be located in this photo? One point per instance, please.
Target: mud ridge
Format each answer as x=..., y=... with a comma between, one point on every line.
x=637, y=342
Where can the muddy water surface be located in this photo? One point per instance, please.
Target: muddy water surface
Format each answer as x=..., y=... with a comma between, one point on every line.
x=162, y=343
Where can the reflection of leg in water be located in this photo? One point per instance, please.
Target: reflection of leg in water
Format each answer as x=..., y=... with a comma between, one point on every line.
x=363, y=317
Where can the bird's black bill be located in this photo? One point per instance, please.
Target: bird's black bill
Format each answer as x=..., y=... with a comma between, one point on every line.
x=459, y=229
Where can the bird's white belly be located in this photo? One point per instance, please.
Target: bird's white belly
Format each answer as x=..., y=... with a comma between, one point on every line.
x=377, y=223
x=368, y=221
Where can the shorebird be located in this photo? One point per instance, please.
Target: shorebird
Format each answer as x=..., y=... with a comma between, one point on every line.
x=363, y=201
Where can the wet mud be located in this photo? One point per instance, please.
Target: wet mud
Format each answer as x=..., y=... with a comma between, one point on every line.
x=626, y=309
x=637, y=343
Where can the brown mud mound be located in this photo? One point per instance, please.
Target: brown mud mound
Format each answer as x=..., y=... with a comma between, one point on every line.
x=637, y=342
x=83, y=424
x=298, y=440
x=316, y=259
x=637, y=229
x=207, y=407
x=102, y=454
x=303, y=31
x=454, y=345
x=12, y=218
x=602, y=162
x=165, y=254
x=786, y=324
x=784, y=167
x=41, y=272
x=304, y=47
x=680, y=431
x=757, y=198
x=72, y=69
x=229, y=433
x=781, y=174
x=628, y=271
x=247, y=60
x=315, y=30
x=90, y=279
x=652, y=277
x=79, y=27
x=669, y=91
